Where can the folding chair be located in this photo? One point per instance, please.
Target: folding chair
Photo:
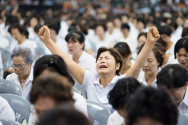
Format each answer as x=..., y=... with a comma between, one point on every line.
x=8, y=122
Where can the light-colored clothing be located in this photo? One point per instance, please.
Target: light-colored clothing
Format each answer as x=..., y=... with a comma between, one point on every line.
x=87, y=62
x=182, y=119
x=27, y=86
x=183, y=106
x=95, y=90
x=61, y=43
x=115, y=34
x=115, y=119
x=131, y=41
x=79, y=104
x=142, y=79
x=26, y=44
x=6, y=111
x=170, y=60
x=171, y=50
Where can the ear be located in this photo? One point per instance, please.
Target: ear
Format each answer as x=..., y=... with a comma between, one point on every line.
x=185, y=87
x=31, y=64
x=117, y=66
x=130, y=56
x=82, y=45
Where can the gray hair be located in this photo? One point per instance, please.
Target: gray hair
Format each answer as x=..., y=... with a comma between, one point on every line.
x=23, y=52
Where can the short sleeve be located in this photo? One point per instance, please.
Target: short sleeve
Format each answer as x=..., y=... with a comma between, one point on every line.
x=88, y=78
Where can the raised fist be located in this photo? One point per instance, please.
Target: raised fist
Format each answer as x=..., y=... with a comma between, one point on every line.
x=44, y=33
x=153, y=35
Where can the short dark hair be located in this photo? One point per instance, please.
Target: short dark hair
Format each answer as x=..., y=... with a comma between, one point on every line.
x=158, y=51
x=181, y=43
x=121, y=92
x=142, y=20
x=165, y=30
x=22, y=29
x=54, y=27
x=172, y=76
x=142, y=34
x=65, y=116
x=152, y=103
x=53, y=86
x=75, y=35
x=184, y=32
x=163, y=43
x=53, y=63
x=114, y=53
x=123, y=48
x=125, y=26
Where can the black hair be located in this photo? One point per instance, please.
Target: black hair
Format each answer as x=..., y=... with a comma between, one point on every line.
x=185, y=32
x=142, y=34
x=165, y=30
x=121, y=92
x=123, y=48
x=114, y=53
x=163, y=43
x=53, y=86
x=75, y=35
x=142, y=20
x=172, y=76
x=54, y=27
x=158, y=51
x=181, y=43
x=22, y=29
x=63, y=116
x=125, y=26
x=102, y=25
x=53, y=63
x=152, y=103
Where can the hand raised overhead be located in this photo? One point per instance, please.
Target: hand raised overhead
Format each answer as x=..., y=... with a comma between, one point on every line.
x=44, y=33
x=153, y=35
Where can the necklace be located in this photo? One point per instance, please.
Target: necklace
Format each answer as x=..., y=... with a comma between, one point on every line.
x=23, y=80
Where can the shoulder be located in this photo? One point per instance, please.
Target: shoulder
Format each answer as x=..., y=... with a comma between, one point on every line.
x=88, y=57
x=4, y=103
x=11, y=76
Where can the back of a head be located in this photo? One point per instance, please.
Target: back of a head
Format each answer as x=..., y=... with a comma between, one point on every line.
x=172, y=76
x=54, y=27
x=184, y=32
x=121, y=92
x=165, y=30
x=123, y=48
x=154, y=104
x=53, y=63
x=63, y=116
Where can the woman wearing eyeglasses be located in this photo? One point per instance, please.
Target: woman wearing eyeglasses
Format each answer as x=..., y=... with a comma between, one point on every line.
x=22, y=60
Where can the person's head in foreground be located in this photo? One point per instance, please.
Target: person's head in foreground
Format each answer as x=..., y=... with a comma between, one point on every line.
x=174, y=78
x=121, y=92
x=63, y=116
x=52, y=64
x=181, y=52
x=125, y=51
x=151, y=106
x=22, y=60
x=50, y=91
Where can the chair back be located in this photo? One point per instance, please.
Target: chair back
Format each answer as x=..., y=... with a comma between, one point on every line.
x=8, y=122
x=20, y=106
x=98, y=112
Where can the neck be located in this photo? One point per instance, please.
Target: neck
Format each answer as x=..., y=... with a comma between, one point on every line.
x=125, y=68
x=151, y=77
x=24, y=77
x=125, y=36
x=111, y=31
x=77, y=56
x=22, y=40
x=169, y=44
x=102, y=37
x=106, y=79
x=55, y=40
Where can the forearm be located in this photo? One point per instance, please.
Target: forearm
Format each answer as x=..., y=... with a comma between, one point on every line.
x=140, y=60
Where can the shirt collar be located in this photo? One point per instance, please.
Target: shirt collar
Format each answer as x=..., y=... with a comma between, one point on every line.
x=114, y=80
x=30, y=78
x=81, y=57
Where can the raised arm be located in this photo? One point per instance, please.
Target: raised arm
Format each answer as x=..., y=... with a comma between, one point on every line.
x=152, y=37
x=76, y=70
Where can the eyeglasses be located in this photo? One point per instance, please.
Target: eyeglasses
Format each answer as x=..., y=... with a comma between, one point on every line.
x=19, y=66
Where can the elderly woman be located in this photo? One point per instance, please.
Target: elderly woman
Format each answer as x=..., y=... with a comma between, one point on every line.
x=22, y=59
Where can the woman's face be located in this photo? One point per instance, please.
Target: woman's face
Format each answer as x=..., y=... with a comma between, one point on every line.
x=21, y=68
x=33, y=22
x=151, y=65
x=106, y=64
x=53, y=35
x=100, y=31
x=126, y=60
x=16, y=34
x=182, y=57
x=74, y=47
x=141, y=40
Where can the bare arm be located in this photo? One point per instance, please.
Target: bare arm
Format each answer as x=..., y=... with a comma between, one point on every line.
x=76, y=70
x=152, y=37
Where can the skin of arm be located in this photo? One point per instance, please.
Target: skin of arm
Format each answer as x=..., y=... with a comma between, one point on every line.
x=76, y=70
x=152, y=37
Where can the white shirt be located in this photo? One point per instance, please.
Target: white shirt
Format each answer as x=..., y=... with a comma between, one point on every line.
x=87, y=62
x=26, y=44
x=115, y=119
x=115, y=34
x=142, y=78
x=79, y=104
x=171, y=50
x=1, y=67
x=4, y=43
x=6, y=111
x=170, y=60
x=61, y=43
x=183, y=106
x=95, y=90
x=131, y=41
x=27, y=86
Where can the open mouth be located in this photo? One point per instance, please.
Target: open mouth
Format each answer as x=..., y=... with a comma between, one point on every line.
x=102, y=66
x=182, y=63
x=145, y=70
